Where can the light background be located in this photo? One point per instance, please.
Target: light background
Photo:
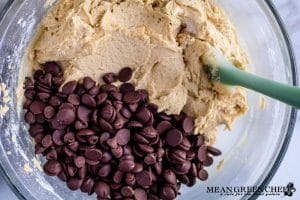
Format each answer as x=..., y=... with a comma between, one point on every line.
x=289, y=170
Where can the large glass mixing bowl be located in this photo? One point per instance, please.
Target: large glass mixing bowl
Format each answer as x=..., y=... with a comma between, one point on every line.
x=252, y=151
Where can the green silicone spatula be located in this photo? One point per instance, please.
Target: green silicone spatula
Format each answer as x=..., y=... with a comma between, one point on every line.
x=219, y=69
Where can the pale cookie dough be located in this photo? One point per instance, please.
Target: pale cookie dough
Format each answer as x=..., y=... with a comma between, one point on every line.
x=162, y=41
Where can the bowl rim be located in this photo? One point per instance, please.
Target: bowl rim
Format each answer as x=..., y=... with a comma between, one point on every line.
x=292, y=119
x=293, y=114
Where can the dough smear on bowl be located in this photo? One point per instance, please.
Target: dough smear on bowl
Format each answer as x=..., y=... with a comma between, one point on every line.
x=162, y=41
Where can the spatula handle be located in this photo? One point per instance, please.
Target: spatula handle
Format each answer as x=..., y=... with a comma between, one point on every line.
x=282, y=92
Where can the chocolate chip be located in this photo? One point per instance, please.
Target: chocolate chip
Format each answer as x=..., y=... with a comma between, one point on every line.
x=108, y=88
x=88, y=101
x=137, y=168
x=149, y=132
x=126, y=88
x=109, y=78
x=168, y=193
x=130, y=179
x=47, y=141
x=122, y=136
x=52, y=168
x=36, y=129
x=52, y=68
x=150, y=159
x=102, y=189
x=104, y=171
x=88, y=83
x=107, y=112
x=54, y=101
x=202, y=153
x=174, y=137
x=93, y=154
x=143, y=115
x=87, y=185
x=74, y=99
x=79, y=161
x=74, y=183
x=127, y=191
x=29, y=118
x=125, y=74
x=188, y=124
x=57, y=137
x=208, y=162
x=44, y=97
x=158, y=168
x=169, y=176
x=51, y=155
x=49, y=112
x=30, y=94
x=133, y=107
x=202, y=175
x=93, y=139
x=134, y=124
x=79, y=125
x=83, y=113
x=37, y=107
x=65, y=116
x=69, y=87
x=73, y=146
x=132, y=97
x=105, y=125
x=46, y=80
x=163, y=126
x=126, y=165
x=140, y=194
x=57, y=81
x=214, y=151
x=143, y=179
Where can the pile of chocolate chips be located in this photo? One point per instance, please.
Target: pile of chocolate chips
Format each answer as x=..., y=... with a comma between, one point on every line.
x=110, y=140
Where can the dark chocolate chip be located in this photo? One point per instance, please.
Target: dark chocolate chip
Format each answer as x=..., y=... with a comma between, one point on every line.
x=122, y=136
x=202, y=153
x=174, y=137
x=88, y=83
x=29, y=118
x=49, y=112
x=126, y=165
x=88, y=101
x=74, y=183
x=52, y=168
x=163, y=126
x=132, y=97
x=74, y=99
x=65, y=116
x=143, y=179
x=214, y=151
x=79, y=161
x=52, y=68
x=109, y=78
x=127, y=191
x=93, y=154
x=202, y=175
x=87, y=185
x=37, y=107
x=125, y=74
x=102, y=189
x=69, y=87
x=105, y=170
x=126, y=88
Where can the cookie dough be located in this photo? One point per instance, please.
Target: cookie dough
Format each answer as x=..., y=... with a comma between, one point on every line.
x=161, y=40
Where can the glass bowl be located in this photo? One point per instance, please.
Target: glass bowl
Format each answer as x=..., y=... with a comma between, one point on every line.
x=252, y=151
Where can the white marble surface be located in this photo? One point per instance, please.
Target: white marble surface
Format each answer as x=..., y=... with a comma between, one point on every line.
x=289, y=169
